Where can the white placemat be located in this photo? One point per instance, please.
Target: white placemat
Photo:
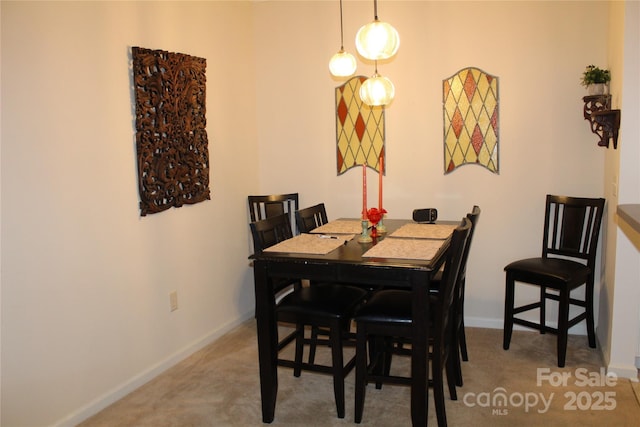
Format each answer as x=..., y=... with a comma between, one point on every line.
x=317, y=244
x=424, y=231
x=421, y=249
x=340, y=226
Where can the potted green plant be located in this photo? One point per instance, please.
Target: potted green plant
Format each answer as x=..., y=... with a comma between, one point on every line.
x=596, y=80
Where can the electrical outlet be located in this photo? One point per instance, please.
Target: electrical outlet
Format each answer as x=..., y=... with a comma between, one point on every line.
x=173, y=300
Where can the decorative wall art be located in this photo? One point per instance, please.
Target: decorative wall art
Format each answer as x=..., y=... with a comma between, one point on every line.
x=171, y=135
x=359, y=128
x=471, y=112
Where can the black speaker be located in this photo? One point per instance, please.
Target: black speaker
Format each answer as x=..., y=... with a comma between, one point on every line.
x=425, y=215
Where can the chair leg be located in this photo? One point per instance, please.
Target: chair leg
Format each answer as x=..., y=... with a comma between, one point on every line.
x=338, y=368
x=462, y=339
x=563, y=326
x=387, y=355
x=438, y=388
x=380, y=357
x=453, y=358
x=297, y=369
x=508, y=312
x=591, y=333
x=543, y=308
x=452, y=376
x=313, y=344
x=361, y=372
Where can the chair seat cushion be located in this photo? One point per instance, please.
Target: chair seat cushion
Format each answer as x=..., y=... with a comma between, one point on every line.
x=388, y=306
x=551, y=271
x=323, y=301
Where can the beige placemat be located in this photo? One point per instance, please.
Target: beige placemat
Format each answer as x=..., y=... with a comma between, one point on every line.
x=340, y=226
x=311, y=244
x=424, y=231
x=421, y=249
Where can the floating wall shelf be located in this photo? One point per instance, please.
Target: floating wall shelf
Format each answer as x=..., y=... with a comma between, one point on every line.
x=604, y=121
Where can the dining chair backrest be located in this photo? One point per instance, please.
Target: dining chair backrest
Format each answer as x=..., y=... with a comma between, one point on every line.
x=451, y=275
x=312, y=217
x=267, y=232
x=473, y=217
x=267, y=206
x=572, y=227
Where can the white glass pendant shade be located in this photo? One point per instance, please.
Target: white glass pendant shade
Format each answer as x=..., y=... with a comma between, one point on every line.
x=342, y=64
x=377, y=40
x=377, y=91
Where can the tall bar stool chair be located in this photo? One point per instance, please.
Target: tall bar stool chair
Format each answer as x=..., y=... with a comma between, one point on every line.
x=568, y=261
x=387, y=317
x=267, y=206
x=460, y=339
x=328, y=306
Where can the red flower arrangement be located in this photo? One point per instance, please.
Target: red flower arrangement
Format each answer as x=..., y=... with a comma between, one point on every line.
x=375, y=215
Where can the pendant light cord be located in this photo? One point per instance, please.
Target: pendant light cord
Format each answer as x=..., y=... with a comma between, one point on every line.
x=341, y=30
x=375, y=9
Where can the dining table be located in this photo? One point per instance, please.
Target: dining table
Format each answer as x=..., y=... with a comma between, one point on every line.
x=406, y=257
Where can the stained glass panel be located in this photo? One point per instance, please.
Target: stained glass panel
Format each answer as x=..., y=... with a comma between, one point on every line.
x=359, y=128
x=471, y=112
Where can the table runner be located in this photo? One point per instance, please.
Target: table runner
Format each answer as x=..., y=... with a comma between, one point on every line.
x=340, y=226
x=310, y=244
x=421, y=249
x=425, y=231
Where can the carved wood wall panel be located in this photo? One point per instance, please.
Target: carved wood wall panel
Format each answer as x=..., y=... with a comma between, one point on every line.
x=171, y=136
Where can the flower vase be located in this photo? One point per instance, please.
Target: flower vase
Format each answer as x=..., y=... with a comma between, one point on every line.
x=598, y=89
x=381, y=227
x=365, y=237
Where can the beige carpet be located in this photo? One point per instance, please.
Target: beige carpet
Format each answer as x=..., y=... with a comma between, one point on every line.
x=219, y=386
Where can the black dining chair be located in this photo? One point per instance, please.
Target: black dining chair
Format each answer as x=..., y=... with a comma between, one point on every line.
x=568, y=261
x=310, y=218
x=268, y=232
x=387, y=317
x=459, y=347
x=266, y=206
x=328, y=306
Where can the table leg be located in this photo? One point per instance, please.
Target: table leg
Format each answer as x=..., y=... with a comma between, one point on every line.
x=420, y=351
x=267, y=340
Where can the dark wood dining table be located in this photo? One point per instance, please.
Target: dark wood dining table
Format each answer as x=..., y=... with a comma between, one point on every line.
x=346, y=264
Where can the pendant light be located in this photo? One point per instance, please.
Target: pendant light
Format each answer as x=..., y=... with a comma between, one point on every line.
x=377, y=40
x=342, y=64
x=377, y=90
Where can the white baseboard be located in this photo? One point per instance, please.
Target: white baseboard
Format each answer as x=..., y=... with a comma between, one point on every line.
x=144, y=377
x=627, y=371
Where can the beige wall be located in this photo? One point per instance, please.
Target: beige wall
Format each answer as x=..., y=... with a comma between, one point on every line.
x=85, y=280
x=537, y=49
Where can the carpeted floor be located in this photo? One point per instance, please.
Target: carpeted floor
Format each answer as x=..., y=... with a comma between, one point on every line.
x=218, y=386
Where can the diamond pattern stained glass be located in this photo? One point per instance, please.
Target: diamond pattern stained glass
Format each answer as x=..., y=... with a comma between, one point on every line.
x=471, y=111
x=359, y=128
